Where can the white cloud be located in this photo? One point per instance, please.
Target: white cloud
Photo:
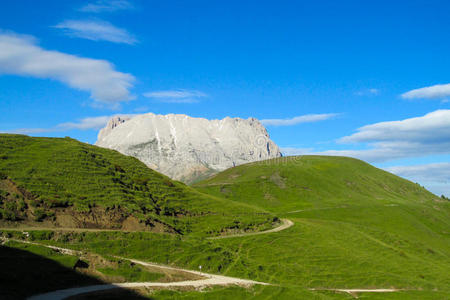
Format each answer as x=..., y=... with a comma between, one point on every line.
x=298, y=120
x=85, y=124
x=90, y=123
x=385, y=141
x=100, y=6
x=391, y=151
x=290, y=151
x=368, y=92
x=28, y=130
x=430, y=128
x=176, y=96
x=432, y=92
x=141, y=109
x=19, y=55
x=414, y=137
x=437, y=172
x=436, y=176
x=96, y=30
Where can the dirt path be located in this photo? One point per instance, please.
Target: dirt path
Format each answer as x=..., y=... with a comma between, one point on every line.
x=74, y=229
x=211, y=281
x=312, y=209
x=354, y=292
x=58, y=249
x=285, y=224
x=208, y=279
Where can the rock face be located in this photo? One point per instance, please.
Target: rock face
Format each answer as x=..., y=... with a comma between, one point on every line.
x=186, y=148
x=113, y=123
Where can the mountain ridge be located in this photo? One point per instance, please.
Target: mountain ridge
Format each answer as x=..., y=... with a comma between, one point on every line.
x=186, y=148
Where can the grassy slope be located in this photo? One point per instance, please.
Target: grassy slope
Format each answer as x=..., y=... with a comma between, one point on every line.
x=359, y=227
x=312, y=182
x=356, y=226
x=59, y=174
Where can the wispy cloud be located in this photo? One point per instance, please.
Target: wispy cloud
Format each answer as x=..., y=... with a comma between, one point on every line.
x=437, y=172
x=176, y=96
x=435, y=176
x=290, y=151
x=141, y=109
x=28, y=130
x=298, y=120
x=90, y=123
x=414, y=137
x=438, y=91
x=19, y=55
x=368, y=92
x=432, y=127
x=100, y=6
x=96, y=30
x=386, y=141
x=86, y=123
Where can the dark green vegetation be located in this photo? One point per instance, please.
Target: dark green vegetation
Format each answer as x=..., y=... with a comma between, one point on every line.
x=64, y=270
x=68, y=261
x=355, y=227
x=107, y=268
x=130, y=272
x=66, y=183
x=28, y=270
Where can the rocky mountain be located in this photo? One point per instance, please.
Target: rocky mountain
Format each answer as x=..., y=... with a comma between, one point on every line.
x=186, y=148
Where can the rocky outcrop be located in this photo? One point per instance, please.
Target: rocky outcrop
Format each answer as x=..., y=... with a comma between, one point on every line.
x=112, y=123
x=186, y=148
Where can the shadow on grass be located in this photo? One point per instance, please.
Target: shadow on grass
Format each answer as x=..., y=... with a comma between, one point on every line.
x=23, y=274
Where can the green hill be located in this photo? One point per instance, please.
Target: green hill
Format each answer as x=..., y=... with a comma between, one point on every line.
x=356, y=226
x=313, y=182
x=54, y=182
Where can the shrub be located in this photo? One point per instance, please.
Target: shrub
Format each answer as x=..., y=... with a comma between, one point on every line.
x=8, y=215
x=119, y=169
x=39, y=215
x=35, y=202
x=57, y=203
x=141, y=180
x=168, y=182
x=21, y=205
x=11, y=206
x=41, y=235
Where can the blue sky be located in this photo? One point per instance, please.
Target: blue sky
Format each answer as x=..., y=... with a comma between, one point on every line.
x=369, y=79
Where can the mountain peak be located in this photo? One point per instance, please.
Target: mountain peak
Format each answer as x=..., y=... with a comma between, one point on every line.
x=187, y=148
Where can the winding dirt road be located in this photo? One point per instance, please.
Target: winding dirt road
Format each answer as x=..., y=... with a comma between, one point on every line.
x=209, y=280
x=355, y=292
x=285, y=224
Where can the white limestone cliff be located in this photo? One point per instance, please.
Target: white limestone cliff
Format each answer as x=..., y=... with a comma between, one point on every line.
x=186, y=148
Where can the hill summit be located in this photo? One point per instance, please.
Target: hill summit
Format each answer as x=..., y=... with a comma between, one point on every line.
x=186, y=148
